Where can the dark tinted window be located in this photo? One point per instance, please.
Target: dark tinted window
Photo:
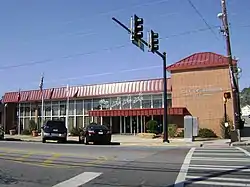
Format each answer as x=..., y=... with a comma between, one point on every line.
x=55, y=124
x=97, y=127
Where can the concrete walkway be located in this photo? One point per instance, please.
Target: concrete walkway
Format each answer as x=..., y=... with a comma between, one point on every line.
x=131, y=140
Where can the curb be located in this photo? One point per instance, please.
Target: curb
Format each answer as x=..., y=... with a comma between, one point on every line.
x=241, y=144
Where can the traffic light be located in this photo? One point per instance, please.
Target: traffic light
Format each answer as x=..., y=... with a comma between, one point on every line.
x=227, y=95
x=153, y=41
x=138, y=27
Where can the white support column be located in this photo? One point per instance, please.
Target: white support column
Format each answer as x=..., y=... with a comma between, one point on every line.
x=110, y=123
x=74, y=125
x=137, y=124
x=120, y=124
x=131, y=124
x=83, y=111
x=124, y=125
x=141, y=124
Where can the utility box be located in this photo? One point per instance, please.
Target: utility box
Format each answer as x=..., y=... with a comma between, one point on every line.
x=191, y=128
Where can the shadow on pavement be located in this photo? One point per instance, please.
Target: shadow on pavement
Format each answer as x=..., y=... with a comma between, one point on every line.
x=12, y=139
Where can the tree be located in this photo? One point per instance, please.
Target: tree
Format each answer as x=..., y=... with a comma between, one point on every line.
x=245, y=97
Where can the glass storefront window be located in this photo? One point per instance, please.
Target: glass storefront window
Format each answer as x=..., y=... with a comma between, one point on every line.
x=79, y=121
x=27, y=110
x=87, y=120
x=47, y=109
x=33, y=110
x=96, y=104
x=115, y=103
x=126, y=102
x=157, y=101
x=62, y=108
x=146, y=101
x=22, y=111
x=70, y=123
x=87, y=106
x=79, y=107
x=26, y=123
x=71, y=107
x=136, y=101
x=55, y=110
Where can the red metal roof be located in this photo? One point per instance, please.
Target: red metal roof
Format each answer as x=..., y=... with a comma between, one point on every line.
x=138, y=112
x=10, y=97
x=96, y=90
x=200, y=60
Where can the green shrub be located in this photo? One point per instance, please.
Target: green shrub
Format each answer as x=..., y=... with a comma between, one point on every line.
x=206, y=133
x=26, y=132
x=181, y=134
x=172, y=130
x=75, y=131
x=32, y=125
x=152, y=126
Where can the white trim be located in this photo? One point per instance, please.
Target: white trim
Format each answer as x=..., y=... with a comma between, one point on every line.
x=180, y=180
x=79, y=180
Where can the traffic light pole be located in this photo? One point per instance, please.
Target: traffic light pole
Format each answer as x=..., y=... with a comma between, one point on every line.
x=235, y=91
x=164, y=58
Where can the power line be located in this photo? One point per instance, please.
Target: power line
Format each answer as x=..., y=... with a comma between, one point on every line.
x=201, y=16
x=119, y=10
x=105, y=49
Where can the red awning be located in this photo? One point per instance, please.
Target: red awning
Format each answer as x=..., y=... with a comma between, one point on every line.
x=139, y=112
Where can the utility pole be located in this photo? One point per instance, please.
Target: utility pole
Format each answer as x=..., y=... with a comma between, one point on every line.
x=238, y=122
x=136, y=32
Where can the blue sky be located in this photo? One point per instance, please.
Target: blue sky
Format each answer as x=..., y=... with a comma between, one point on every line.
x=76, y=42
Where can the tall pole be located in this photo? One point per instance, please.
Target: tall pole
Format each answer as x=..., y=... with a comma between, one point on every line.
x=165, y=115
x=19, y=112
x=42, y=109
x=67, y=108
x=235, y=91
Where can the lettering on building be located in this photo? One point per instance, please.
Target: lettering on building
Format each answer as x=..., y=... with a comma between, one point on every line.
x=200, y=91
x=106, y=103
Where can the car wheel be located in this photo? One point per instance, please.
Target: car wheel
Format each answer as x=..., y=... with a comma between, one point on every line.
x=44, y=140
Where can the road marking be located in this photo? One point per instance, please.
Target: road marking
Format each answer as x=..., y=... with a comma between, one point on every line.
x=220, y=169
x=219, y=178
x=21, y=158
x=219, y=183
x=50, y=160
x=220, y=154
x=243, y=150
x=215, y=166
x=180, y=180
x=78, y=180
x=222, y=159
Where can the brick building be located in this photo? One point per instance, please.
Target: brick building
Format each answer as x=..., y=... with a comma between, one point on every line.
x=195, y=88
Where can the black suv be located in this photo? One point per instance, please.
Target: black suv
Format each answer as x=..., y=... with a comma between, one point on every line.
x=54, y=130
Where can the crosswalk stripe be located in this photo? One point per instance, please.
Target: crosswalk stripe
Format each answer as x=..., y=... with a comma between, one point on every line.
x=219, y=169
x=219, y=178
x=219, y=183
x=214, y=166
x=79, y=180
x=220, y=154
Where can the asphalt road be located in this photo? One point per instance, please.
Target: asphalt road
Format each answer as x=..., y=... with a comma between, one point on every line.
x=62, y=165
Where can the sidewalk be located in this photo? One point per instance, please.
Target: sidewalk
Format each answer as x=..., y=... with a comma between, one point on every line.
x=130, y=140
x=245, y=141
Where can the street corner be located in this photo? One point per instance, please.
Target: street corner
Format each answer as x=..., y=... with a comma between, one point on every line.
x=247, y=143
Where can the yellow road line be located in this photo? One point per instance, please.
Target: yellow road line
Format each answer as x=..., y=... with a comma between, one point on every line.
x=51, y=159
x=25, y=156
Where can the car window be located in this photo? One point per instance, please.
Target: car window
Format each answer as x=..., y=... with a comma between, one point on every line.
x=55, y=124
x=97, y=127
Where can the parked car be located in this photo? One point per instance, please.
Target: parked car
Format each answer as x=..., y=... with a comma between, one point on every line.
x=54, y=130
x=95, y=133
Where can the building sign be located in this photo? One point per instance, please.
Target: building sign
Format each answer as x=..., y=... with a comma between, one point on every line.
x=201, y=91
x=106, y=103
